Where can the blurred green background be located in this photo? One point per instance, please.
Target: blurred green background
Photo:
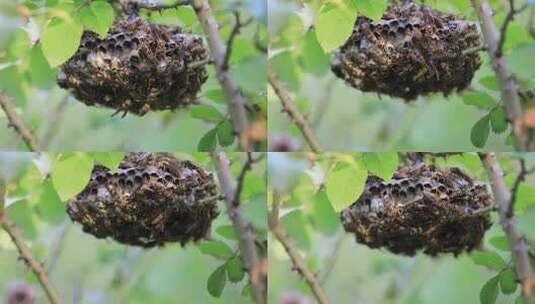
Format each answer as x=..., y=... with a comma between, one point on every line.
x=88, y=270
x=346, y=119
x=352, y=273
x=61, y=123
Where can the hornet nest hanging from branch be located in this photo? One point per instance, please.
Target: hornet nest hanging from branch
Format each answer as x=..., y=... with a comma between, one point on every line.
x=422, y=208
x=138, y=67
x=151, y=199
x=411, y=51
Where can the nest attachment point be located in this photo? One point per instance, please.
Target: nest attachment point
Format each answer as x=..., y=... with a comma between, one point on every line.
x=150, y=200
x=138, y=67
x=413, y=50
x=422, y=208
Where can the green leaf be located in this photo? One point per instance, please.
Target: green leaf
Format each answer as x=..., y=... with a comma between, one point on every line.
x=208, y=113
x=40, y=72
x=235, y=269
x=49, y=205
x=500, y=242
x=345, y=184
x=490, y=82
x=225, y=133
x=489, y=259
x=111, y=160
x=479, y=99
x=60, y=40
x=381, y=164
x=313, y=58
x=20, y=45
x=521, y=300
x=71, y=174
x=21, y=213
x=215, y=248
x=98, y=17
x=489, y=292
x=322, y=215
x=498, y=120
x=208, y=142
x=216, y=282
x=296, y=225
x=373, y=9
x=216, y=96
x=334, y=25
x=508, y=283
x=227, y=232
x=480, y=132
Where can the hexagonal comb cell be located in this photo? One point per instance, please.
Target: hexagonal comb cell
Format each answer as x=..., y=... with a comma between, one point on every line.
x=138, y=67
x=422, y=208
x=137, y=205
x=413, y=50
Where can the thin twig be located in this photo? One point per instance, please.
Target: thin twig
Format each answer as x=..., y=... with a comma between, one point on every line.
x=300, y=121
x=241, y=178
x=324, y=102
x=140, y=4
x=26, y=255
x=235, y=31
x=257, y=41
x=519, y=179
x=508, y=19
x=509, y=87
x=18, y=124
x=235, y=100
x=54, y=119
x=299, y=263
x=517, y=242
x=241, y=225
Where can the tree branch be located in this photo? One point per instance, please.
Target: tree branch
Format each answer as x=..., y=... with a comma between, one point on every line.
x=241, y=178
x=243, y=228
x=508, y=19
x=519, y=179
x=235, y=100
x=140, y=4
x=235, y=31
x=517, y=242
x=509, y=87
x=300, y=121
x=299, y=263
x=18, y=124
x=25, y=253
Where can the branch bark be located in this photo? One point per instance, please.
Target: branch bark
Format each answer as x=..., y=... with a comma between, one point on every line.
x=243, y=228
x=509, y=87
x=299, y=263
x=517, y=242
x=18, y=124
x=25, y=253
x=235, y=99
x=300, y=121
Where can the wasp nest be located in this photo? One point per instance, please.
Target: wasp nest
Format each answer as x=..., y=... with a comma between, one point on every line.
x=411, y=51
x=139, y=67
x=150, y=200
x=422, y=208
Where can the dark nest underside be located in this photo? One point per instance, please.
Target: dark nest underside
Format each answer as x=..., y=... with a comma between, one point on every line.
x=150, y=200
